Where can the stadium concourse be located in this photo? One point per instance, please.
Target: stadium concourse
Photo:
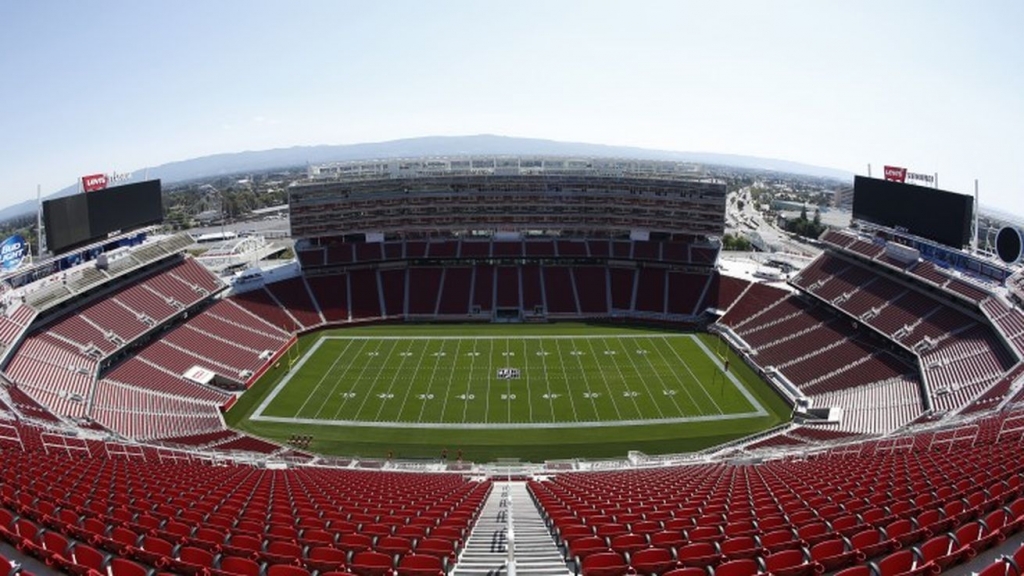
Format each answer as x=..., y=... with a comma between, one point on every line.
x=903, y=455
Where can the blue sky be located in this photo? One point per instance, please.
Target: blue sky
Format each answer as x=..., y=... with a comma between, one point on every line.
x=935, y=86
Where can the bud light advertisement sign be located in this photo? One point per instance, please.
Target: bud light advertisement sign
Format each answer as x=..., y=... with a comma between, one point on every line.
x=12, y=253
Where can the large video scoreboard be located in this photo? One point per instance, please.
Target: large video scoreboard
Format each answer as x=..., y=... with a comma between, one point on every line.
x=77, y=220
x=938, y=215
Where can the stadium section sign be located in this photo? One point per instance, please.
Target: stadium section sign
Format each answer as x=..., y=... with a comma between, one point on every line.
x=13, y=252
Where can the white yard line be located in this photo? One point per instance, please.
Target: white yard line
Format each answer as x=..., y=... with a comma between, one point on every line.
x=451, y=374
x=440, y=355
x=697, y=381
x=526, y=381
x=369, y=393
x=565, y=379
x=408, y=389
x=675, y=373
x=508, y=385
x=640, y=377
x=341, y=378
x=547, y=382
x=586, y=382
x=490, y=370
x=448, y=388
x=608, y=389
x=324, y=377
x=622, y=377
x=469, y=383
x=664, y=385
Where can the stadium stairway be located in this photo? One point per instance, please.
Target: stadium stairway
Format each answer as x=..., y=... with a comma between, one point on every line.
x=486, y=549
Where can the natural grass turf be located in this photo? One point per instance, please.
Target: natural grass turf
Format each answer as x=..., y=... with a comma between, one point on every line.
x=526, y=444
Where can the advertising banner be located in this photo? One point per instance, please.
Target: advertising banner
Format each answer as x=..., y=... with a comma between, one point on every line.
x=13, y=252
x=895, y=174
x=94, y=182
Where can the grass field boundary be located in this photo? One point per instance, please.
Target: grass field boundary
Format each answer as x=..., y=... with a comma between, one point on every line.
x=288, y=378
x=732, y=378
x=258, y=415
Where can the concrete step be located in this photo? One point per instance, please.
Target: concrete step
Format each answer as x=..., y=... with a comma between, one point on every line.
x=487, y=549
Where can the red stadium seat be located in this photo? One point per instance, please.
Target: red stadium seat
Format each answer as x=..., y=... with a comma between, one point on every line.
x=281, y=552
x=86, y=560
x=699, y=554
x=704, y=534
x=815, y=532
x=645, y=527
x=286, y=570
x=652, y=561
x=55, y=548
x=604, y=564
x=189, y=560
x=903, y=562
x=904, y=532
x=207, y=538
x=740, y=547
x=857, y=571
x=437, y=547
x=572, y=531
x=942, y=551
x=355, y=542
x=667, y=539
x=872, y=542
x=742, y=567
x=316, y=537
x=835, y=554
x=370, y=563
x=976, y=537
x=998, y=568
x=687, y=571
x=151, y=550
x=326, y=559
x=123, y=567
x=582, y=547
x=781, y=540
x=394, y=545
x=628, y=543
x=411, y=531
x=791, y=563
x=421, y=565
x=605, y=531
x=236, y=566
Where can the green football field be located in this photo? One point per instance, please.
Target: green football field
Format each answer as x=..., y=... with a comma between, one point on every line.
x=529, y=392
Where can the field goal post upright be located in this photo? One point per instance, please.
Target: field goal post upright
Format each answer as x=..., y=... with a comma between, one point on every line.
x=293, y=348
x=723, y=358
x=297, y=353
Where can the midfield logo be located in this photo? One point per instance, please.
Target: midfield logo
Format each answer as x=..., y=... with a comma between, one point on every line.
x=508, y=373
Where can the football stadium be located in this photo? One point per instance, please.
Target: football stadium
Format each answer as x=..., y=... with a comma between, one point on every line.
x=494, y=364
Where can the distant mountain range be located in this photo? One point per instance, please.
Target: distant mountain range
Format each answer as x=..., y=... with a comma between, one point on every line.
x=263, y=160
